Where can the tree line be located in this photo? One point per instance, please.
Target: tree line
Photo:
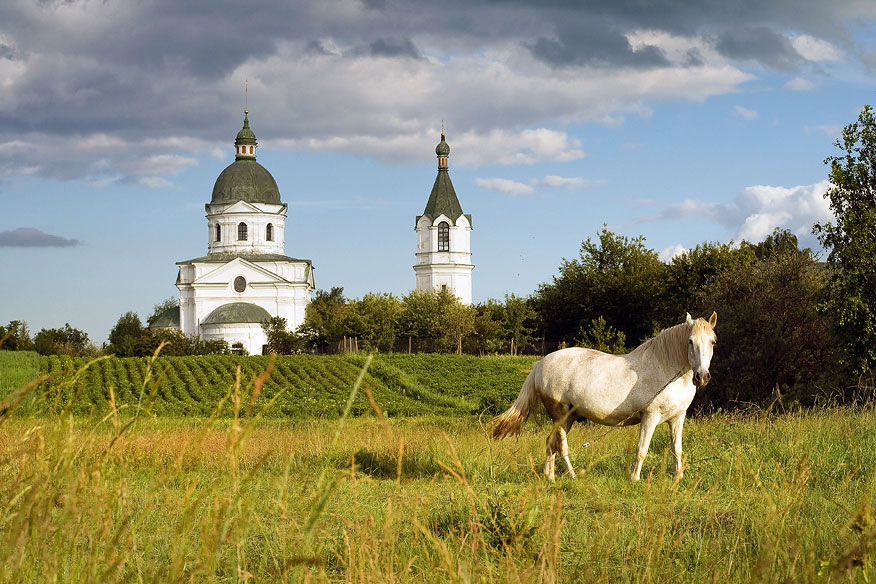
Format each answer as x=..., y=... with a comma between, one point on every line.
x=791, y=328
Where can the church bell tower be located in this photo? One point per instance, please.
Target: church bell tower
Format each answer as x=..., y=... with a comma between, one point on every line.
x=444, y=237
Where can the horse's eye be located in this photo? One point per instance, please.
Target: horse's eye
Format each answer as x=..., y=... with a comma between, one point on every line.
x=690, y=341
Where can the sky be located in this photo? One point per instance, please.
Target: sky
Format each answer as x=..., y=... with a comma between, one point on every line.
x=679, y=121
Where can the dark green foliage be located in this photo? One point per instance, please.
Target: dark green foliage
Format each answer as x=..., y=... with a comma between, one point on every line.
x=690, y=274
x=125, y=335
x=15, y=337
x=598, y=335
x=616, y=278
x=280, y=339
x=770, y=336
x=851, y=242
x=62, y=341
x=373, y=319
x=323, y=319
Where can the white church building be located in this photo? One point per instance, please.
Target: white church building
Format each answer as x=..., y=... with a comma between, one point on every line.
x=245, y=278
x=444, y=237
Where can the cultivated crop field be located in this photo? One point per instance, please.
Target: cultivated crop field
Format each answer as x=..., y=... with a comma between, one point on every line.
x=100, y=487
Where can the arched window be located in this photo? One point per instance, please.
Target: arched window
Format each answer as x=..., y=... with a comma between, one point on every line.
x=241, y=232
x=269, y=232
x=218, y=232
x=443, y=236
x=251, y=150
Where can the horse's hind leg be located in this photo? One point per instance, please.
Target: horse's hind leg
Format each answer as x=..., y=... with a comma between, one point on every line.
x=564, y=450
x=550, y=456
x=557, y=442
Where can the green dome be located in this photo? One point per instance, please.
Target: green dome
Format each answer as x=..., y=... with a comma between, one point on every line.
x=169, y=318
x=245, y=180
x=245, y=135
x=443, y=148
x=237, y=312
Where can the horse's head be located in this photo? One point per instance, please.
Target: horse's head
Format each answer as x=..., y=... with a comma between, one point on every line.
x=700, y=344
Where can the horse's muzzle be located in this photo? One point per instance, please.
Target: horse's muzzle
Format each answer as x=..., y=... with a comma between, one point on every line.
x=701, y=380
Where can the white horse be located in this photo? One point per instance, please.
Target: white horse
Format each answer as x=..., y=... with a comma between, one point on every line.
x=654, y=383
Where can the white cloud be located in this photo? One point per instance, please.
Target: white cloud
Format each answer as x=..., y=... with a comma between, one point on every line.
x=748, y=114
x=504, y=185
x=155, y=182
x=799, y=84
x=162, y=164
x=563, y=181
x=671, y=252
x=815, y=49
x=759, y=209
x=471, y=149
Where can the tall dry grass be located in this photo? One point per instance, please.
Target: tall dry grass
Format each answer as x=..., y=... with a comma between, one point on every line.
x=134, y=497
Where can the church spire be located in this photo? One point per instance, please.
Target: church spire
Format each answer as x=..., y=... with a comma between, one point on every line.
x=245, y=144
x=442, y=199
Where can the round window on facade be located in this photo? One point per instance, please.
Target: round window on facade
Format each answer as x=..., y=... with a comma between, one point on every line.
x=239, y=284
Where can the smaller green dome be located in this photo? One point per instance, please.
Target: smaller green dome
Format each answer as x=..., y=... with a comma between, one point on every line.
x=245, y=135
x=443, y=148
x=237, y=312
x=169, y=318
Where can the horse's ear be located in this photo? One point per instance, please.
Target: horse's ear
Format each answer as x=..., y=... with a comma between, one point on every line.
x=713, y=319
x=688, y=319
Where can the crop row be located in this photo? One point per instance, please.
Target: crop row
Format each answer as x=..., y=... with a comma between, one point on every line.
x=303, y=385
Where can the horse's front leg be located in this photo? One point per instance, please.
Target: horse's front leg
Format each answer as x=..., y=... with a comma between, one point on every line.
x=646, y=431
x=675, y=427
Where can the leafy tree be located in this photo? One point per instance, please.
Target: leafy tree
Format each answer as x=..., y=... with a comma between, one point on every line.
x=598, y=335
x=373, y=319
x=281, y=340
x=457, y=322
x=19, y=337
x=323, y=318
x=125, y=334
x=517, y=325
x=851, y=242
x=65, y=341
x=688, y=276
x=770, y=333
x=617, y=278
x=778, y=242
x=178, y=344
x=487, y=327
x=421, y=312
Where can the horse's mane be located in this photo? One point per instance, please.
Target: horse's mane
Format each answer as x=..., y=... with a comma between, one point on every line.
x=670, y=344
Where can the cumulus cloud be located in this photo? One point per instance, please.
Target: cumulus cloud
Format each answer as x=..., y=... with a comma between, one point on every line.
x=759, y=209
x=799, y=84
x=504, y=185
x=31, y=237
x=516, y=188
x=371, y=77
x=671, y=252
x=743, y=112
x=815, y=49
x=563, y=181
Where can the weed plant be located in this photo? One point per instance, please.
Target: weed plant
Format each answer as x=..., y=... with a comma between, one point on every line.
x=236, y=496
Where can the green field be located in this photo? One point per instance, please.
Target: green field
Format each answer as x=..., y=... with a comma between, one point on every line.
x=107, y=495
x=303, y=385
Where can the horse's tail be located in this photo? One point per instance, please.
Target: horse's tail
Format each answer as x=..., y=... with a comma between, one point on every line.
x=512, y=420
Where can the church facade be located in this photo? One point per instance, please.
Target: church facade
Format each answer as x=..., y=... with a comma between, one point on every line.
x=444, y=237
x=245, y=278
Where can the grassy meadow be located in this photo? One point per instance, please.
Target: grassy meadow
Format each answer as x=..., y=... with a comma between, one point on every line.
x=237, y=495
